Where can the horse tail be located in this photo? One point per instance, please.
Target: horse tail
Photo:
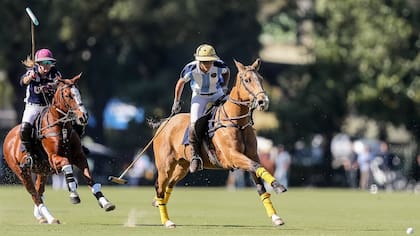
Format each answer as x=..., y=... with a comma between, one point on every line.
x=154, y=124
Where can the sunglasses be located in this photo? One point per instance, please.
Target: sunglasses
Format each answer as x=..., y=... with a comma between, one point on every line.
x=46, y=63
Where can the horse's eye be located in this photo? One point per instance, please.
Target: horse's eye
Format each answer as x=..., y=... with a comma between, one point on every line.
x=247, y=80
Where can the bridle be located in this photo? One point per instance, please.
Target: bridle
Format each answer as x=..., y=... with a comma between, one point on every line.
x=67, y=116
x=251, y=105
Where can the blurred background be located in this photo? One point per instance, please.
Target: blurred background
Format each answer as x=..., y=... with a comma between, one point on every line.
x=342, y=76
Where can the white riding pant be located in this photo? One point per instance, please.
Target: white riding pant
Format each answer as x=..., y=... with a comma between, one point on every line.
x=31, y=111
x=199, y=104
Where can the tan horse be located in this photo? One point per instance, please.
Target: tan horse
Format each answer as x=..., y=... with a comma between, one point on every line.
x=234, y=142
x=61, y=147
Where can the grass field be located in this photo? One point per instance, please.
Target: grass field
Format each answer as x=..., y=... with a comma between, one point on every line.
x=214, y=211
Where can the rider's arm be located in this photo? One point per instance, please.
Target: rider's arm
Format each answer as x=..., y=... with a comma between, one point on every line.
x=27, y=77
x=178, y=89
x=226, y=77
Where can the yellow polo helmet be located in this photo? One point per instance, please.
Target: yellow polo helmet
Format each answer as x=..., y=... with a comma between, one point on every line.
x=205, y=52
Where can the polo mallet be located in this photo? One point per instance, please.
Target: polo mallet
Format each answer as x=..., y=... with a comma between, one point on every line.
x=120, y=180
x=34, y=23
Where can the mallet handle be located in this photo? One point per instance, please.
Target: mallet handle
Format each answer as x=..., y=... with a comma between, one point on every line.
x=140, y=153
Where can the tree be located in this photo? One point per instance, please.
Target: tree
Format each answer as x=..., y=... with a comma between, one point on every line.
x=126, y=48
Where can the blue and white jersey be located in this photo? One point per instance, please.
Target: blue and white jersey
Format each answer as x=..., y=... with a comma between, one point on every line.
x=204, y=83
x=34, y=94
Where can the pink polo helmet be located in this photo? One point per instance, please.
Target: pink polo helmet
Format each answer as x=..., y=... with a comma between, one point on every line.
x=44, y=55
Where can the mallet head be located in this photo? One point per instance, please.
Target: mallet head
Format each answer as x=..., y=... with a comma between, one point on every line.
x=32, y=16
x=117, y=180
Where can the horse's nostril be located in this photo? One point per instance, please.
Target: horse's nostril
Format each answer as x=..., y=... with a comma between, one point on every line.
x=261, y=102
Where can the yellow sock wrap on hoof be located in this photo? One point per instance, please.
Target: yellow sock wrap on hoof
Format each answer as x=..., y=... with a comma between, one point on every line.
x=163, y=211
x=263, y=173
x=268, y=205
x=167, y=194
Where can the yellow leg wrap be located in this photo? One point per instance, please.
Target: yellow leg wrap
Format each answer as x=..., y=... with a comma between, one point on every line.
x=263, y=173
x=167, y=194
x=163, y=211
x=265, y=198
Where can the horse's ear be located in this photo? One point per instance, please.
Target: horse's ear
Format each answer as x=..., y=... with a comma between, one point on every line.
x=60, y=79
x=256, y=65
x=239, y=65
x=76, y=78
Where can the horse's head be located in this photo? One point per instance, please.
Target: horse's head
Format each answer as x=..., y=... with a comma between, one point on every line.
x=67, y=99
x=249, y=84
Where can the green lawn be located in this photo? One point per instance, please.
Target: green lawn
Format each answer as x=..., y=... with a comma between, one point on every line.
x=214, y=211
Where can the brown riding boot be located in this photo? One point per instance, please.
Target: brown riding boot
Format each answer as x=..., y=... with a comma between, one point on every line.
x=196, y=161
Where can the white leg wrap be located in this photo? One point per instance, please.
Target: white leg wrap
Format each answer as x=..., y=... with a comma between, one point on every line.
x=67, y=169
x=73, y=186
x=103, y=201
x=96, y=188
x=277, y=220
x=44, y=211
x=71, y=181
x=37, y=213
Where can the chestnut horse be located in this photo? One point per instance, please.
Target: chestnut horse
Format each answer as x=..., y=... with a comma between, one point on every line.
x=233, y=142
x=57, y=147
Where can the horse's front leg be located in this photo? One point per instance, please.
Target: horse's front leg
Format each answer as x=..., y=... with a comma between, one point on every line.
x=169, y=173
x=262, y=173
x=81, y=163
x=61, y=163
x=265, y=198
x=241, y=161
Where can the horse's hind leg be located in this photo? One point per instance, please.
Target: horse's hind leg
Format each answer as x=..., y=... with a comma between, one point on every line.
x=41, y=212
x=163, y=191
x=95, y=187
x=179, y=173
x=102, y=200
x=167, y=178
x=265, y=198
x=40, y=188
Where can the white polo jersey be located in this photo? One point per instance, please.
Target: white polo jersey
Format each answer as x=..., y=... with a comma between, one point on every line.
x=204, y=83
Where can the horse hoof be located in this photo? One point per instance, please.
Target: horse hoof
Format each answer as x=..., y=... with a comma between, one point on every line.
x=42, y=221
x=277, y=221
x=55, y=222
x=109, y=206
x=170, y=225
x=278, y=188
x=74, y=198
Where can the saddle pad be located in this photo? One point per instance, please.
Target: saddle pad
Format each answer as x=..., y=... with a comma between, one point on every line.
x=185, y=139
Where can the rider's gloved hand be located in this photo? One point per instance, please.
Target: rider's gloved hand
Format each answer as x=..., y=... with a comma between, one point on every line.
x=225, y=90
x=176, y=107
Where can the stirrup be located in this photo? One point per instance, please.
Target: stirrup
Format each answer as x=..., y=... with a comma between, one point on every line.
x=28, y=162
x=196, y=164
